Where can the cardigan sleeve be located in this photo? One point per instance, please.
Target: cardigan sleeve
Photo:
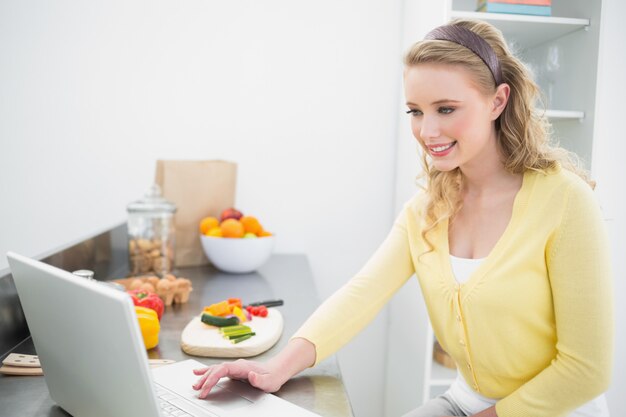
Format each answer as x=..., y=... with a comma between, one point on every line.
x=353, y=306
x=578, y=262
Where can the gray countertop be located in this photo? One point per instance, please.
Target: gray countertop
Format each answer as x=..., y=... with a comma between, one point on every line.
x=286, y=277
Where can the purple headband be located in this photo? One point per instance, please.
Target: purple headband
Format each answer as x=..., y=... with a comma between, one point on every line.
x=471, y=41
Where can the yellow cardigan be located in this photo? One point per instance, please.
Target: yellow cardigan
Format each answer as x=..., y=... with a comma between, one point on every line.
x=534, y=323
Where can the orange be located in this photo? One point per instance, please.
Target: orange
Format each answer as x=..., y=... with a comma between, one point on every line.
x=250, y=224
x=264, y=233
x=215, y=232
x=207, y=224
x=232, y=228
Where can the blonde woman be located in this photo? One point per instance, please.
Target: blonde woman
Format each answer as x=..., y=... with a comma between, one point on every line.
x=506, y=240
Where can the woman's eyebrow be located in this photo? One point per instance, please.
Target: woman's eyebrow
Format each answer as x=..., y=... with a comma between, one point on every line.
x=445, y=100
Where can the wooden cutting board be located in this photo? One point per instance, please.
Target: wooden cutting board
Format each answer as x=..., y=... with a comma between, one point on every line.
x=199, y=339
x=22, y=364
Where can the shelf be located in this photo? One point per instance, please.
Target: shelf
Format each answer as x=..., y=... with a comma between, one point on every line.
x=527, y=31
x=565, y=115
x=440, y=375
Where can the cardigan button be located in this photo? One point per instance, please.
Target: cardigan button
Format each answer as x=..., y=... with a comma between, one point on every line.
x=458, y=318
x=462, y=342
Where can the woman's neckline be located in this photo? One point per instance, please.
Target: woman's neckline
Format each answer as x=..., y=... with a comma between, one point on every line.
x=519, y=207
x=467, y=259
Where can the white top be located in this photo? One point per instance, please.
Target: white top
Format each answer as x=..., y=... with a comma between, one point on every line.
x=463, y=268
x=472, y=402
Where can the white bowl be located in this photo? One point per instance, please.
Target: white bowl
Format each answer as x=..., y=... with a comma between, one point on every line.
x=237, y=255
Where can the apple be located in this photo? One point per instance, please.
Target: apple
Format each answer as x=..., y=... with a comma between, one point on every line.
x=231, y=213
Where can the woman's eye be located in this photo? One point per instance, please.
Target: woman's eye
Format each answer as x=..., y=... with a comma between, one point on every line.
x=446, y=110
x=414, y=112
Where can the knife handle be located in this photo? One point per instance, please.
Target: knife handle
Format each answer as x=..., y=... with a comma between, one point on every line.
x=268, y=303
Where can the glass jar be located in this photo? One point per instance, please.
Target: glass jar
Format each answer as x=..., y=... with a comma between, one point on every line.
x=87, y=274
x=151, y=234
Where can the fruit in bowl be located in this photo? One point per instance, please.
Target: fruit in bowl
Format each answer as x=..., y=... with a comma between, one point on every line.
x=235, y=243
x=231, y=213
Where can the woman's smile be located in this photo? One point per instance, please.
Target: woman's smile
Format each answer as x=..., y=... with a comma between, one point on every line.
x=439, y=150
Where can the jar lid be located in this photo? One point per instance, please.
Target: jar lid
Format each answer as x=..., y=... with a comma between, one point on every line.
x=152, y=202
x=84, y=273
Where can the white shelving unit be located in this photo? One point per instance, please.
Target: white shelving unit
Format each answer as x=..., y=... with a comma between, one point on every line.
x=528, y=31
x=556, y=115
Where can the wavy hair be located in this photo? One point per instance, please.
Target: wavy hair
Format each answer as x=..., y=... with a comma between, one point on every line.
x=523, y=132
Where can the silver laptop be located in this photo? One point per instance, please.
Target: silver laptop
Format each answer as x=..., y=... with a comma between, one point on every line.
x=89, y=345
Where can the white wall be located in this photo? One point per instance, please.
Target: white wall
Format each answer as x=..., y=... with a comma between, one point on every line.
x=302, y=95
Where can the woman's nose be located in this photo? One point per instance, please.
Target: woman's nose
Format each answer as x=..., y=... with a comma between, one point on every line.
x=429, y=127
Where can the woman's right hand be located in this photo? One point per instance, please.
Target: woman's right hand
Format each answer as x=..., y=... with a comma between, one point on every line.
x=298, y=355
x=259, y=375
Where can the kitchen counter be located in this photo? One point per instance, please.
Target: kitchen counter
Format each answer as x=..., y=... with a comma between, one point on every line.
x=286, y=277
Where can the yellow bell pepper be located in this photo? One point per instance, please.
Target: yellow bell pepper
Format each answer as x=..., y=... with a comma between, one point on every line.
x=240, y=314
x=218, y=309
x=149, y=325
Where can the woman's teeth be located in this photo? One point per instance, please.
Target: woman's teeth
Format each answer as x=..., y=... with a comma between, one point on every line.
x=442, y=147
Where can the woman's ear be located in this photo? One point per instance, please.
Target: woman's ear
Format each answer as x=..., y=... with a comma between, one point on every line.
x=500, y=99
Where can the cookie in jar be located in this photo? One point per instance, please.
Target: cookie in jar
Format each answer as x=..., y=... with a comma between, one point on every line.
x=151, y=234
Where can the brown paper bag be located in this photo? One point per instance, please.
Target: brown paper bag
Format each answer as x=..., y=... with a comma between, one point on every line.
x=199, y=189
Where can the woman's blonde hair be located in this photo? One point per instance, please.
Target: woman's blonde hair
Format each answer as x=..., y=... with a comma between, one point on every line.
x=523, y=133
